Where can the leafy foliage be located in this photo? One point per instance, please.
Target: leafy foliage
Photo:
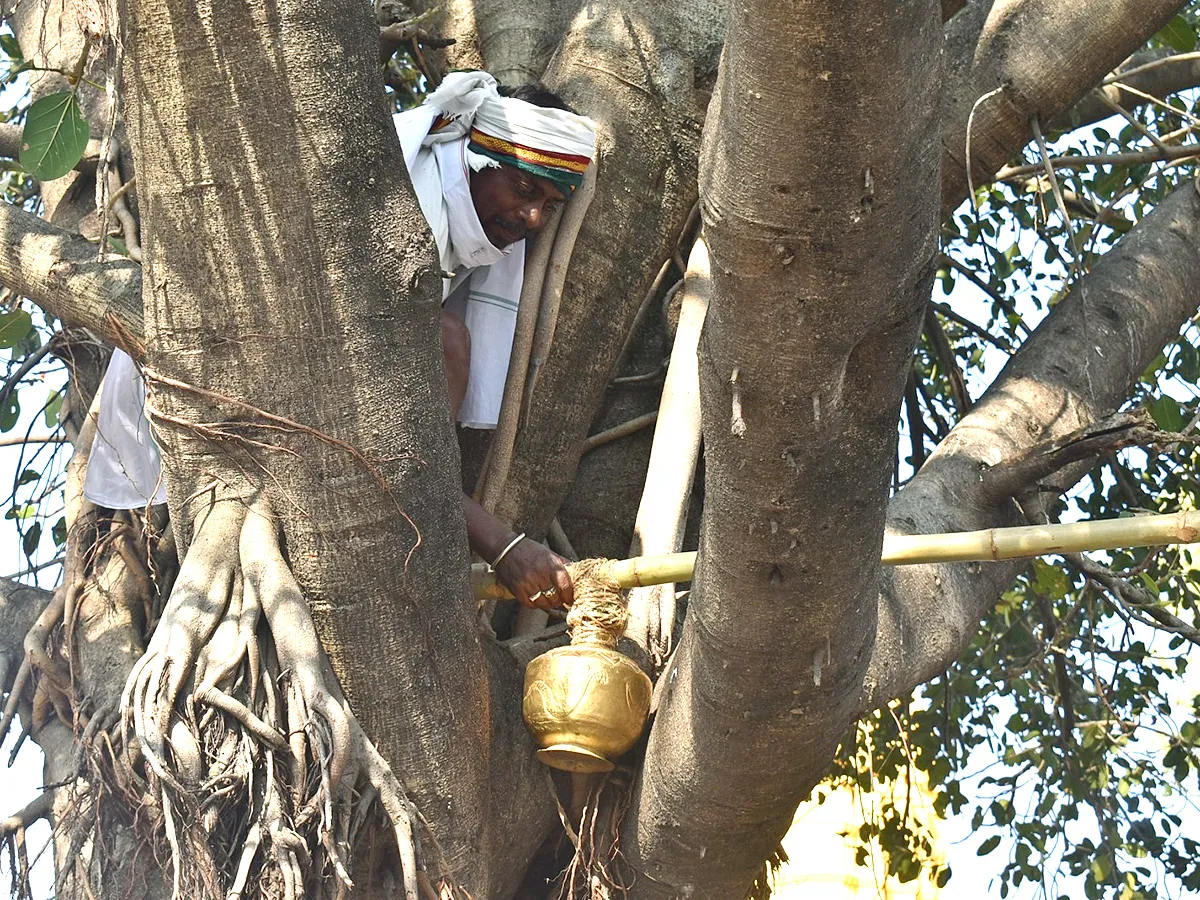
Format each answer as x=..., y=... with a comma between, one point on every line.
x=1067, y=731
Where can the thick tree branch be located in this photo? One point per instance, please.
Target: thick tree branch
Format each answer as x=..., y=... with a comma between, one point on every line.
x=1008, y=62
x=1116, y=319
x=59, y=272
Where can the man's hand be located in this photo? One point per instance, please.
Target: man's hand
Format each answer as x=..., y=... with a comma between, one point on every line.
x=536, y=576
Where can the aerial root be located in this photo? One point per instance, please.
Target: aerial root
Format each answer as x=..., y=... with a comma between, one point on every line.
x=597, y=869
x=244, y=729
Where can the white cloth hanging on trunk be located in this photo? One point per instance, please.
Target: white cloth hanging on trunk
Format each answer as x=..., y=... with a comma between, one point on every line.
x=124, y=471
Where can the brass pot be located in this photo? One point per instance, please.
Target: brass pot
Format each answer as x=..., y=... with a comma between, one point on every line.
x=585, y=706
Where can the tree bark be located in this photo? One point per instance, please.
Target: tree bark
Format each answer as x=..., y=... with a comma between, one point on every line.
x=58, y=271
x=1116, y=320
x=292, y=301
x=1040, y=57
x=804, y=358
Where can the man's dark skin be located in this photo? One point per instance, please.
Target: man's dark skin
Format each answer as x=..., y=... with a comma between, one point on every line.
x=511, y=204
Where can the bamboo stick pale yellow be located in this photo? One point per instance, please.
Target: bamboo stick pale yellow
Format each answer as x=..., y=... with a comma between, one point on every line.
x=910, y=549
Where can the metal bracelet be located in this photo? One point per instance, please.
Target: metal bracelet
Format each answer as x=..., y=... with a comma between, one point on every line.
x=503, y=553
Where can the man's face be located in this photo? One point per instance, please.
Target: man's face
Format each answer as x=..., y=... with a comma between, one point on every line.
x=512, y=204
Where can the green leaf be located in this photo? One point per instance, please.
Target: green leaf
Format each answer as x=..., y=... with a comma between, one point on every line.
x=52, y=409
x=14, y=325
x=9, y=45
x=1166, y=413
x=988, y=846
x=29, y=476
x=10, y=412
x=55, y=136
x=59, y=532
x=31, y=538
x=1179, y=35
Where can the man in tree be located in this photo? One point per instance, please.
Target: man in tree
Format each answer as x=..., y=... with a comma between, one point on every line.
x=488, y=170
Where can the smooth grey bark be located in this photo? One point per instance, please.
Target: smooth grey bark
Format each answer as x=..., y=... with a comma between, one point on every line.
x=512, y=39
x=1041, y=57
x=19, y=606
x=1116, y=320
x=58, y=270
x=289, y=273
x=1160, y=82
x=819, y=277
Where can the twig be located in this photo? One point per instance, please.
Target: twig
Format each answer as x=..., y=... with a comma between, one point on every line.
x=941, y=429
x=1133, y=598
x=1146, y=67
x=640, y=316
x=1042, y=460
x=1184, y=151
x=46, y=565
x=34, y=439
x=1129, y=117
x=916, y=424
x=945, y=356
x=27, y=366
x=1159, y=102
x=623, y=430
x=1003, y=302
x=977, y=330
x=644, y=378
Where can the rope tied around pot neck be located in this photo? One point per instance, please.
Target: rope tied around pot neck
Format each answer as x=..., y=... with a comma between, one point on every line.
x=599, y=614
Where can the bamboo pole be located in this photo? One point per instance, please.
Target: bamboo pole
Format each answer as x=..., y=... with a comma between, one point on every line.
x=990, y=545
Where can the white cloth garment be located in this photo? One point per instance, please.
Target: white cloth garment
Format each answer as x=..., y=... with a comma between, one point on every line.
x=123, y=470
x=441, y=180
x=470, y=100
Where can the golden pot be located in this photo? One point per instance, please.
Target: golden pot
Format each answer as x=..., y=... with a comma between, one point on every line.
x=585, y=706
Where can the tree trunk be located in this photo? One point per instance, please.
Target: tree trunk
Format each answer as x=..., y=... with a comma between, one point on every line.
x=804, y=357
x=292, y=292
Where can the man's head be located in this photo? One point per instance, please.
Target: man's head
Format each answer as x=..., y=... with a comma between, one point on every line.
x=511, y=202
x=518, y=197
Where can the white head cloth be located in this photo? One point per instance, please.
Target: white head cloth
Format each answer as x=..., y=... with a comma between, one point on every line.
x=470, y=100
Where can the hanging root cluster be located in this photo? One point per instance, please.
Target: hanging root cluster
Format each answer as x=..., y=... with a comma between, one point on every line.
x=265, y=779
x=597, y=870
